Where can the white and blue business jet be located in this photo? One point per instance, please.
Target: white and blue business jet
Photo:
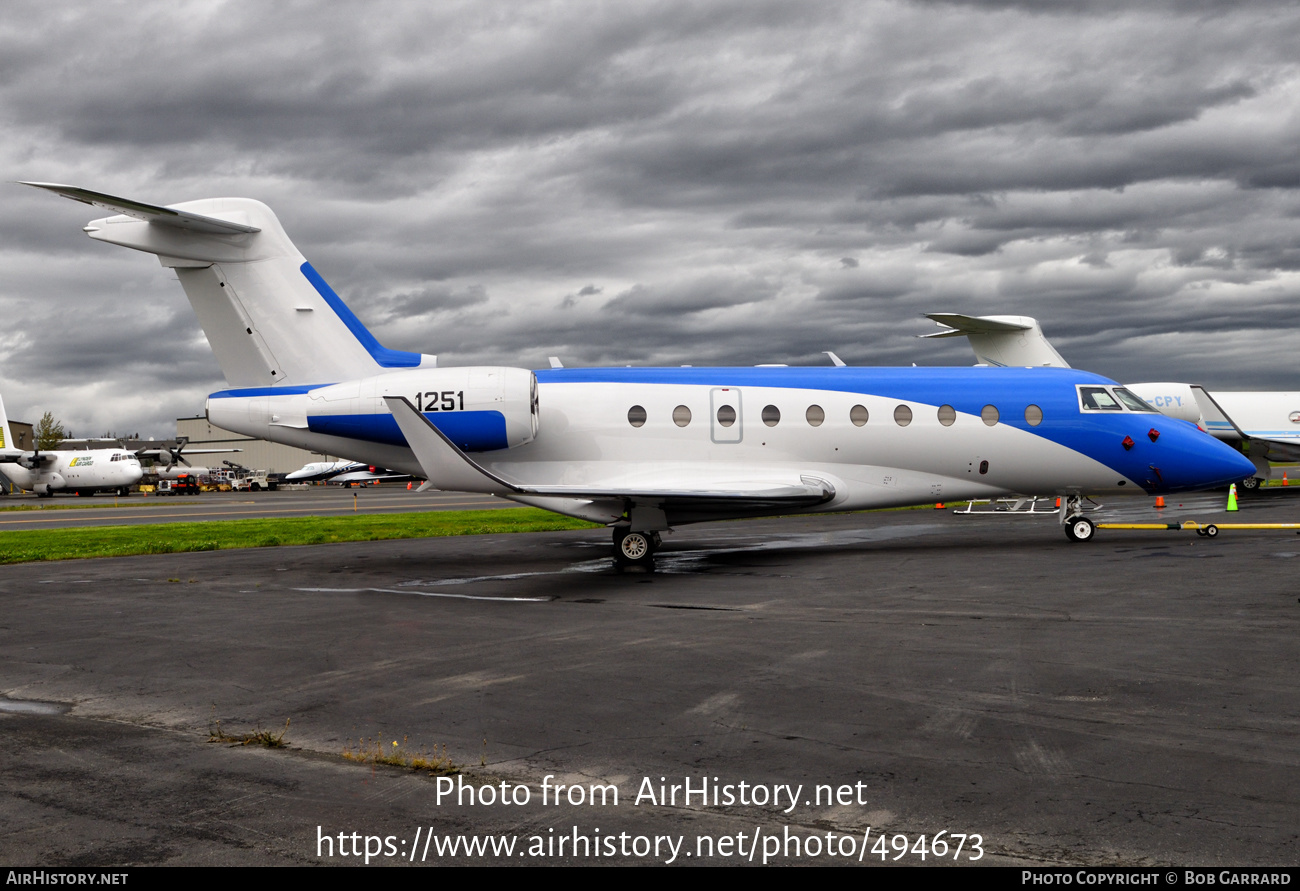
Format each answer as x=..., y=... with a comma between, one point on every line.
x=641, y=449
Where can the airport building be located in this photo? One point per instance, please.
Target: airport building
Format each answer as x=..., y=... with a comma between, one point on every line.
x=255, y=454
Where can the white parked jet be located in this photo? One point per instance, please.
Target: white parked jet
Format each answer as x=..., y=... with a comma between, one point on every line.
x=81, y=472
x=1265, y=424
x=345, y=471
x=641, y=449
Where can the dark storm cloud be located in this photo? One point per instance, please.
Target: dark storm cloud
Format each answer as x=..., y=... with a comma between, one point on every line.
x=751, y=182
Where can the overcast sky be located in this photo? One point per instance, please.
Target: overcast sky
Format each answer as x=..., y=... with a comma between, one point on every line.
x=663, y=183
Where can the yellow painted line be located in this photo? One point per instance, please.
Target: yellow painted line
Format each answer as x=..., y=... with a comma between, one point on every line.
x=302, y=510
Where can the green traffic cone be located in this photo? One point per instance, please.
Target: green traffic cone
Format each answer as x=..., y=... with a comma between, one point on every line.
x=1232, y=497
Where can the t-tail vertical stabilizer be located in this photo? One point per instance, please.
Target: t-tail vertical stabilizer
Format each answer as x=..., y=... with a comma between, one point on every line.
x=7, y=443
x=269, y=316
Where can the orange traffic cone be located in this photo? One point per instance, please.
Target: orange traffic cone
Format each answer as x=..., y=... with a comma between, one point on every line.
x=939, y=506
x=408, y=487
x=1058, y=502
x=1284, y=478
x=1160, y=501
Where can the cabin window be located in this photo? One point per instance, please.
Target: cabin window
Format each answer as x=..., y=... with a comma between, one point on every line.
x=902, y=415
x=815, y=415
x=989, y=415
x=636, y=416
x=947, y=415
x=681, y=416
x=726, y=415
x=1033, y=415
x=858, y=415
x=771, y=415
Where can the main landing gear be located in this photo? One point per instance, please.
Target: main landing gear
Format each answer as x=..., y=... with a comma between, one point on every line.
x=1077, y=527
x=634, y=550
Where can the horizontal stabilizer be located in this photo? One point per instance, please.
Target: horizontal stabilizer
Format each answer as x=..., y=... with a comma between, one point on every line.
x=149, y=213
x=960, y=325
x=1000, y=340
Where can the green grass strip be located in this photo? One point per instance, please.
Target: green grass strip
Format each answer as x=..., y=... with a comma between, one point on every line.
x=27, y=545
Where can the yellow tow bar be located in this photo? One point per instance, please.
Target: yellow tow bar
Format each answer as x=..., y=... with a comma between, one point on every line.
x=1207, y=529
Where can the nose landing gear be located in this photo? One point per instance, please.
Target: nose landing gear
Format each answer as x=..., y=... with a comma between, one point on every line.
x=1077, y=527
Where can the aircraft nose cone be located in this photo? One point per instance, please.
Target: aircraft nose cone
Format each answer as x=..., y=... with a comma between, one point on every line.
x=1237, y=467
x=1206, y=463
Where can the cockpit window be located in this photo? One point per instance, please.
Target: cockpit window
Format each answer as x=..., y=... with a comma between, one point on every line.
x=1098, y=399
x=1133, y=401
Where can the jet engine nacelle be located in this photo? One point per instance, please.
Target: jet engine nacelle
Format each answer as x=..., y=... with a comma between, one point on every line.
x=1173, y=399
x=479, y=408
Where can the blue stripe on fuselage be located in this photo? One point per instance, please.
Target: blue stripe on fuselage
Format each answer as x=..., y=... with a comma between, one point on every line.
x=1181, y=452
x=472, y=431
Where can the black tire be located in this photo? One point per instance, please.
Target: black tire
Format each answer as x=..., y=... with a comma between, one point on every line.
x=1211, y=531
x=634, y=549
x=1250, y=483
x=1079, y=529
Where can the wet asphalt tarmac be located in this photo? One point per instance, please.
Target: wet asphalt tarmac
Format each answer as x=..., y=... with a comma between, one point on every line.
x=1128, y=701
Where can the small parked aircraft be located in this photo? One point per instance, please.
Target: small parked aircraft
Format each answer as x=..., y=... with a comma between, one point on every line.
x=345, y=472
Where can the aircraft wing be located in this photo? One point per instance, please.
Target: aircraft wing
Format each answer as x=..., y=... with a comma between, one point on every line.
x=28, y=459
x=445, y=466
x=165, y=216
x=1267, y=419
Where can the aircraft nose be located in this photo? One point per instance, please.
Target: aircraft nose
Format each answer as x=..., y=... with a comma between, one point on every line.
x=1207, y=463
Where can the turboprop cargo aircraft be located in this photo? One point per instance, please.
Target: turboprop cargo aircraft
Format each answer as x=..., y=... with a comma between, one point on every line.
x=80, y=472
x=641, y=449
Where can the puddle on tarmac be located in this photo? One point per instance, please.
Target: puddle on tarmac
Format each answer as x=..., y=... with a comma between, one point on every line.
x=672, y=562
x=31, y=707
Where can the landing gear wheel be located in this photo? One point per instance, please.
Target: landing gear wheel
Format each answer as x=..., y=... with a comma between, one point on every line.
x=1250, y=483
x=634, y=549
x=1211, y=531
x=1079, y=529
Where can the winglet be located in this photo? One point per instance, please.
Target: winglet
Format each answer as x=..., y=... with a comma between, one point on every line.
x=444, y=465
